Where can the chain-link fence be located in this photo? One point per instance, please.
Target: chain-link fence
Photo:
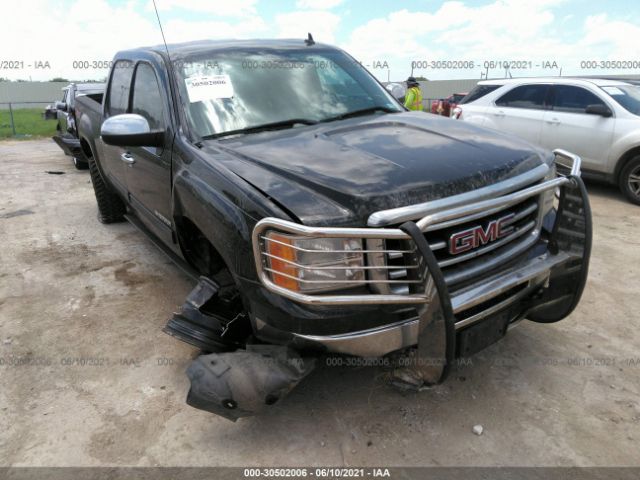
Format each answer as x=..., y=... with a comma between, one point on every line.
x=27, y=119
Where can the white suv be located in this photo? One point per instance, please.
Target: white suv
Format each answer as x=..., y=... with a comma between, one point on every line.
x=595, y=118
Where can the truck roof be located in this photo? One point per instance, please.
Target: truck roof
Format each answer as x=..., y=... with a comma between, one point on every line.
x=188, y=49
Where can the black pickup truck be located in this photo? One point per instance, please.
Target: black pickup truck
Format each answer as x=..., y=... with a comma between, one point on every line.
x=318, y=215
x=66, y=131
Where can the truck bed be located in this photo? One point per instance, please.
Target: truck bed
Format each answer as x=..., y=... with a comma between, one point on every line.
x=89, y=118
x=91, y=102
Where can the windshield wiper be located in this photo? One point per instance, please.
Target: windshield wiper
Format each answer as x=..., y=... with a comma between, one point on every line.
x=362, y=112
x=261, y=128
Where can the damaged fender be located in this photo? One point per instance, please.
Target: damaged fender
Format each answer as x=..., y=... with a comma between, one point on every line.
x=204, y=322
x=231, y=383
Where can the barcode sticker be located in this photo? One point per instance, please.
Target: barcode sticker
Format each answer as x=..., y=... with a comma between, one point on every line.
x=208, y=87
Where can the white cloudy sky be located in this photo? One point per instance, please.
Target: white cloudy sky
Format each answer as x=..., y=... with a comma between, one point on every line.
x=54, y=34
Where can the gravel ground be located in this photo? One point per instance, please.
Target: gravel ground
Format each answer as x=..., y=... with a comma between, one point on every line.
x=88, y=378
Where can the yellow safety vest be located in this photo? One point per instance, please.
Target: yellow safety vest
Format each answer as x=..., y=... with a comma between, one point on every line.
x=413, y=99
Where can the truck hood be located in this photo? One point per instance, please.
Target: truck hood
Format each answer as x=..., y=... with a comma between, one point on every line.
x=339, y=173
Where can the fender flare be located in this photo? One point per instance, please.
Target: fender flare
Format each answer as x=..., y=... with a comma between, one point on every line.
x=219, y=219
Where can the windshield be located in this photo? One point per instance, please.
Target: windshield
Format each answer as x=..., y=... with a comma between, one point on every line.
x=245, y=89
x=628, y=96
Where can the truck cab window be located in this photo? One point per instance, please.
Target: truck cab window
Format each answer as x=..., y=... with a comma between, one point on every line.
x=147, y=100
x=118, y=96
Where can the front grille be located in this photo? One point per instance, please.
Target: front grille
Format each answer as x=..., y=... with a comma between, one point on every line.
x=463, y=268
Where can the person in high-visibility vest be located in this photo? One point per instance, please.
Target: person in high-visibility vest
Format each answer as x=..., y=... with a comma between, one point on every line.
x=413, y=98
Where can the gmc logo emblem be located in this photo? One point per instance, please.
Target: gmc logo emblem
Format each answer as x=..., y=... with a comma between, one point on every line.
x=477, y=236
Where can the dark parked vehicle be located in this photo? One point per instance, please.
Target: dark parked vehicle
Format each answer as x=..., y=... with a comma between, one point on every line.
x=317, y=215
x=67, y=134
x=50, y=112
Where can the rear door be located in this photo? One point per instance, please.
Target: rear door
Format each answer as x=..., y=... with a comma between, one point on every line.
x=520, y=111
x=116, y=103
x=566, y=125
x=148, y=170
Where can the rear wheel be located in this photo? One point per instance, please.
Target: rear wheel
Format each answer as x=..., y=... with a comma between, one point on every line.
x=80, y=164
x=111, y=208
x=629, y=181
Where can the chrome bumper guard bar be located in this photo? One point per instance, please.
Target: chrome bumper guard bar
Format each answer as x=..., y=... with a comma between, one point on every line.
x=452, y=210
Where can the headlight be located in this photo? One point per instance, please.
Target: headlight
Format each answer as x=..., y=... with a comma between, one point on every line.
x=306, y=264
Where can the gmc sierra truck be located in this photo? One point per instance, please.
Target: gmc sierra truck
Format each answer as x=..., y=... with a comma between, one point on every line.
x=317, y=215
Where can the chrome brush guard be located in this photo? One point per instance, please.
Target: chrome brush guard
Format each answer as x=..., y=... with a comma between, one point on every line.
x=427, y=216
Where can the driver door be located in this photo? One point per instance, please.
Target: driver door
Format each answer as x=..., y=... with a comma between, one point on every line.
x=148, y=169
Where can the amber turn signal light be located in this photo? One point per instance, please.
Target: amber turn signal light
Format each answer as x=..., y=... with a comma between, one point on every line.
x=280, y=250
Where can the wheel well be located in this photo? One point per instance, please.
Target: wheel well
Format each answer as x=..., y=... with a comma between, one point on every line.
x=623, y=161
x=86, y=148
x=198, y=250
x=226, y=304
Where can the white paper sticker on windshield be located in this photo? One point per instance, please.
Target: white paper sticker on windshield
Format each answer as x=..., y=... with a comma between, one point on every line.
x=613, y=90
x=208, y=87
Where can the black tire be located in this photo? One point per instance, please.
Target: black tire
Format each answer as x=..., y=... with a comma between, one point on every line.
x=111, y=208
x=80, y=164
x=629, y=180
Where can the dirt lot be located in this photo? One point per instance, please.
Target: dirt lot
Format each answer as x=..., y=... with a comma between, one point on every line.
x=88, y=378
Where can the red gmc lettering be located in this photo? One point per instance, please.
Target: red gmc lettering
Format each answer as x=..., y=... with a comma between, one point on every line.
x=477, y=236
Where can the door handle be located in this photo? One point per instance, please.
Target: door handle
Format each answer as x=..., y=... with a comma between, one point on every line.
x=499, y=113
x=553, y=121
x=127, y=158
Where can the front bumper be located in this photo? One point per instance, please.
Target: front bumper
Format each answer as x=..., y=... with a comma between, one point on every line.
x=545, y=286
x=375, y=342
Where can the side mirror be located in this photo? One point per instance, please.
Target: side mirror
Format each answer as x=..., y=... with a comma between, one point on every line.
x=599, y=109
x=62, y=106
x=130, y=130
x=397, y=90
